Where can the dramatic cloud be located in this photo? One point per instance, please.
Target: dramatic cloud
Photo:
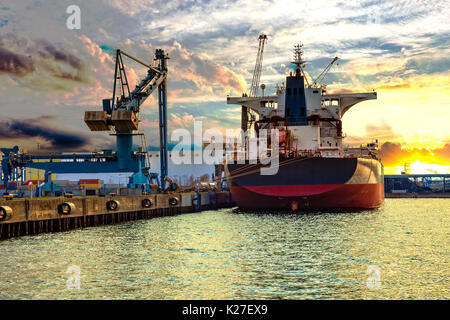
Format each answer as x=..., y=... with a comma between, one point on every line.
x=39, y=63
x=444, y=152
x=16, y=64
x=394, y=154
x=47, y=50
x=38, y=128
x=399, y=48
x=205, y=73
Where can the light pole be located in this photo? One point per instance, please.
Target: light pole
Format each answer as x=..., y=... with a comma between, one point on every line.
x=31, y=187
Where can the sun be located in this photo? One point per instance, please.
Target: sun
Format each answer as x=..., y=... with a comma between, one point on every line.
x=418, y=167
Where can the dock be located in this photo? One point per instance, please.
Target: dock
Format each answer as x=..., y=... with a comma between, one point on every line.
x=439, y=195
x=20, y=217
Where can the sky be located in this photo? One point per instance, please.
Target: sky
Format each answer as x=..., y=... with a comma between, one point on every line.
x=50, y=75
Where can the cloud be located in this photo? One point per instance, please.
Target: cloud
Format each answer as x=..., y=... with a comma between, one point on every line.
x=394, y=154
x=444, y=152
x=414, y=82
x=40, y=64
x=38, y=128
x=185, y=120
x=47, y=51
x=205, y=73
x=392, y=47
x=382, y=132
x=16, y=64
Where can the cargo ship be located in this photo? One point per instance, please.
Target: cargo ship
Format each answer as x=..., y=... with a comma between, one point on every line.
x=315, y=171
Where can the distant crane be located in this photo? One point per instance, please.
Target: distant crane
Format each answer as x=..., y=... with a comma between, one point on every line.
x=247, y=116
x=258, y=66
x=324, y=72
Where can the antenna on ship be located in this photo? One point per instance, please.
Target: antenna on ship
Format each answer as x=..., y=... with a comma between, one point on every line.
x=298, y=61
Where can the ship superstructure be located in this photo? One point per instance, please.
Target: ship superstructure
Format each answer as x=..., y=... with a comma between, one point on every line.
x=313, y=117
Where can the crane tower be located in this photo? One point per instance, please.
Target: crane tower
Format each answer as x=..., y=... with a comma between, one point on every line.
x=120, y=114
x=258, y=66
x=247, y=117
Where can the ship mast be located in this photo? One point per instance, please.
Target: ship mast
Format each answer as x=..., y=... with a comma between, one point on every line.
x=299, y=61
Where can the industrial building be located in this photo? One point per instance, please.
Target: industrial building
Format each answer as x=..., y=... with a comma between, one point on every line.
x=417, y=183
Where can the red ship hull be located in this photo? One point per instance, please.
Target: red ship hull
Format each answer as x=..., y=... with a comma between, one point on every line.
x=309, y=184
x=364, y=196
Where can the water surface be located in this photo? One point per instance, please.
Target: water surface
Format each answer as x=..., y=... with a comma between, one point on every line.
x=228, y=254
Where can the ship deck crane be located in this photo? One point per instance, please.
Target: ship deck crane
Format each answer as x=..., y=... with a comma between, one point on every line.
x=322, y=75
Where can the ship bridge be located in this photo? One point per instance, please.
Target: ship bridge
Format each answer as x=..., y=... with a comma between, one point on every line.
x=257, y=104
x=348, y=100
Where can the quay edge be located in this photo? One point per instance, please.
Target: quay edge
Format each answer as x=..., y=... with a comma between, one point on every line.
x=27, y=217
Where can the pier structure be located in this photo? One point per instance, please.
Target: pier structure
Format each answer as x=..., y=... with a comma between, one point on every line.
x=420, y=183
x=19, y=217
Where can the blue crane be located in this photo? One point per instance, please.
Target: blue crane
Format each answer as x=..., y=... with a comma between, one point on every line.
x=120, y=117
x=120, y=114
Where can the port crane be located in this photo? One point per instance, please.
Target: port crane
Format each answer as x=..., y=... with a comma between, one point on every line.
x=247, y=116
x=258, y=66
x=120, y=114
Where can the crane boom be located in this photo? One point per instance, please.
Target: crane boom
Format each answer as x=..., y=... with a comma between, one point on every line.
x=145, y=88
x=324, y=72
x=258, y=66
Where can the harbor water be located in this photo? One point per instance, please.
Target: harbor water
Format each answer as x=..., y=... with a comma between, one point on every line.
x=399, y=251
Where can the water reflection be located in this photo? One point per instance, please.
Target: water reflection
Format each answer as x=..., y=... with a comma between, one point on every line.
x=228, y=254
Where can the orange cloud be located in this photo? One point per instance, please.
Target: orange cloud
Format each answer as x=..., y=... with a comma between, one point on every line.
x=394, y=154
x=207, y=75
x=415, y=82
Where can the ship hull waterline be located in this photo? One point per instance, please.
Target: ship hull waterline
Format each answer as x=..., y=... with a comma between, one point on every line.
x=314, y=183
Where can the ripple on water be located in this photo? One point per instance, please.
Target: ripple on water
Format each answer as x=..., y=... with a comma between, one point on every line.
x=228, y=254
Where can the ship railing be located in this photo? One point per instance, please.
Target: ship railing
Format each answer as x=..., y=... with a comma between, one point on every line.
x=240, y=155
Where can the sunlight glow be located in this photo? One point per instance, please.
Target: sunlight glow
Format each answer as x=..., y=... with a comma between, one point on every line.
x=419, y=167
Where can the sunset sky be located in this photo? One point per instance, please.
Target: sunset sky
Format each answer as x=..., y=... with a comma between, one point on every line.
x=50, y=75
